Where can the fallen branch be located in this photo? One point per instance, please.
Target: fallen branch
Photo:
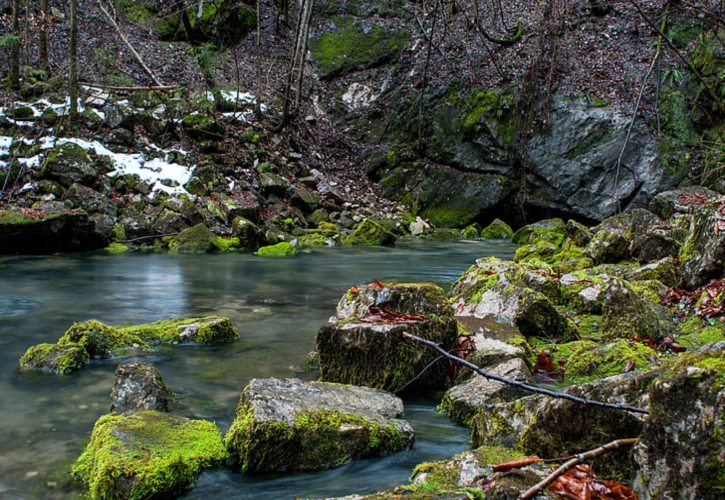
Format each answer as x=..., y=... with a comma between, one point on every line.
x=534, y=490
x=522, y=385
x=130, y=47
x=150, y=237
x=160, y=88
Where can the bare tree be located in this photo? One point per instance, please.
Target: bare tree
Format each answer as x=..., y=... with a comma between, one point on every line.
x=73, y=80
x=14, y=76
x=43, y=38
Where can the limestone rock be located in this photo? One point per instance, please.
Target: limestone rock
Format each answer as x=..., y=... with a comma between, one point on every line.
x=463, y=400
x=376, y=354
x=147, y=455
x=702, y=256
x=69, y=163
x=290, y=425
x=627, y=315
x=369, y=232
x=669, y=203
x=682, y=449
x=138, y=386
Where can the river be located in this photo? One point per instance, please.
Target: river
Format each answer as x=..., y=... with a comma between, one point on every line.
x=277, y=305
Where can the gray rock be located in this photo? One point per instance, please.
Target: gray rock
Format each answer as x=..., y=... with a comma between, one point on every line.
x=376, y=354
x=627, y=315
x=550, y=427
x=669, y=203
x=139, y=386
x=702, y=256
x=682, y=449
x=288, y=425
x=463, y=400
x=249, y=234
x=88, y=199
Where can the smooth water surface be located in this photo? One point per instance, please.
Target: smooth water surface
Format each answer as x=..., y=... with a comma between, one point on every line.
x=277, y=305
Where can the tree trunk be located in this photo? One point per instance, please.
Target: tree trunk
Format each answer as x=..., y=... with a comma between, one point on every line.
x=43, y=39
x=73, y=81
x=14, y=76
x=258, y=101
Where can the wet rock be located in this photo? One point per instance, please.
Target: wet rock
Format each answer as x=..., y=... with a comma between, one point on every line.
x=147, y=455
x=376, y=354
x=369, y=232
x=69, y=163
x=463, y=400
x=199, y=239
x=249, y=234
x=550, y=427
x=53, y=358
x=138, y=386
x=496, y=230
x=702, y=256
x=169, y=222
x=290, y=425
x=47, y=231
x=682, y=449
x=281, y=249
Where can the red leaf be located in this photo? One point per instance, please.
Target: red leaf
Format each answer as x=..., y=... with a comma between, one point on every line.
x=387, y=316
x=631, y=365
x=378, y=283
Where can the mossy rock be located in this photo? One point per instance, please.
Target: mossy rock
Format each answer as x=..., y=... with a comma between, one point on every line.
x=549, y=230
x=20, y=112
x=69, y=163
x=281, y=249
x=202, y=127
x=369, y=232
x=497, y=230
x=54, y=358
x=471, y=232
x=588, y=360
x=147, y=455
x=210, y=330
x=199, y=239
x=99, y=339
x=290, y=425
x=696, y=332
x=352, y=48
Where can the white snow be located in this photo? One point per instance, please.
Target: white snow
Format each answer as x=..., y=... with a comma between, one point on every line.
x=234, y=96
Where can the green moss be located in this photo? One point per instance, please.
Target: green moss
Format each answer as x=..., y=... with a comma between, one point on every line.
x=199, y=239
x=351, y=48
x=697, y=332
x=100, y=340
x=147, y=455
x=68, y=153
x=369, y=232
x=281, y=249
x=55, y=358
x=497, y=230
x=651, y=290
x=677, y=125
x=201, y=127
x=227, y=244
x=590, y=360
x=314, y=441
x=208, y=330
x=313, y=240
x=697, y=366
x=550, y=230
x=116, y=248
x=486, y=107
x=20, y=112
x=470, y=232
x=446, y=216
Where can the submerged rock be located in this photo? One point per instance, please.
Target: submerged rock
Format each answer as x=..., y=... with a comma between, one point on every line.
x=40, y=231
x=681, y=452
x=356, y=348
x=147, y=455
x=138, y=386
x=93, y=339
x=290, y=425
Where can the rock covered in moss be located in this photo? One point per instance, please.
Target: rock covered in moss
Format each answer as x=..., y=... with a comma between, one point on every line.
x=653, y=239
x=550, y=230
x=608, y=245
x=511, y=292
x=138, y=386
x=589, y=359
x=281, y=249
x=147, y=455
x=677, y=201
x=93, y=339
x=356, y=347
x=497, y=230
x=550, y=427
x=463, y=400
x=273, y=183
x=247, y=232
x=627, y=315
x=54, y=358
x=199, y=239
x=369, y=232
x=290, y=425
x=38, y=231
x=69, y=163
x=491, y=351
x=682, y=449
x=202, y=127
x=702, y=256
x=663, y=270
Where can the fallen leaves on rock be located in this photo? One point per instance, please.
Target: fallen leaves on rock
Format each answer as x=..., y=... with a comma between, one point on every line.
x=580, y=483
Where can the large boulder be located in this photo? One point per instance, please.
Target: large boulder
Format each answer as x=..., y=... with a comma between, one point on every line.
x=627, y=315
x=682, y=449
x=290, y=425
x=463, y=400
x=138, y=386
x=38, y=231
x=680, y=201
x=147, y=455
x=369, y=232
x=553, y=427
x=363, y=344
x=200, y=239
x=702, y=256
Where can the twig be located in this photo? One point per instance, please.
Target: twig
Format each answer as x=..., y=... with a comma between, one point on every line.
x=522, y=385
x=160, y=88
x=534, y=490
x=420, y=374
x=147, y=237
x=130, y=47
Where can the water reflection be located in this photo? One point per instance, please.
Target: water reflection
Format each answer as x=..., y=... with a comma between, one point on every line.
x=277, y=305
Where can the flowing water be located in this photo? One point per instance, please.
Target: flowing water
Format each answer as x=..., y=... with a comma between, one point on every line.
x=277, y=305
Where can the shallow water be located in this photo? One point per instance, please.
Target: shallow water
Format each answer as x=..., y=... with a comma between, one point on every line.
x=277, y=305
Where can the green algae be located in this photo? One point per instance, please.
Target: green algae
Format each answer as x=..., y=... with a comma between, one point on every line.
x=281, y=249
